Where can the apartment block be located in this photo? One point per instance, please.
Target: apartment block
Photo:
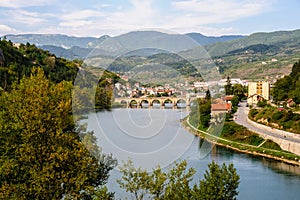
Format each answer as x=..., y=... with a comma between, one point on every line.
x=258, y=91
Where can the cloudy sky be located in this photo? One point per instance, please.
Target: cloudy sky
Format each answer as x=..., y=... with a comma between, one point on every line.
x=114, y=17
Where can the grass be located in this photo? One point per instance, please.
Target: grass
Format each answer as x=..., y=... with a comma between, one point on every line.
x=238, y=137
x=238, y=133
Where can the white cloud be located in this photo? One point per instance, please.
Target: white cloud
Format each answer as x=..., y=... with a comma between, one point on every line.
x=140, y=15
x=25, y=17
x=182, y=16
x=215, y=11
x=82, y=14
x=206, y=30
x=4, y=29
x=75, y=23
x=23, y=3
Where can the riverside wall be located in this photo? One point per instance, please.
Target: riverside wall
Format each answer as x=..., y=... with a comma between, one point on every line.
x=281, y=139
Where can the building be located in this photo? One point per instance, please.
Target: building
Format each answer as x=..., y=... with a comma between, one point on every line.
x=233, y=81
x=258, y=91
x=218, y=108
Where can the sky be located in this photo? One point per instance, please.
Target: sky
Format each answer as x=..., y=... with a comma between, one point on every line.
x=114, y=17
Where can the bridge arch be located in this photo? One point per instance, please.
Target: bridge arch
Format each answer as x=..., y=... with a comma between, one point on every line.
x=144, y=102
x=156, y=103
x=181, y=103
x=124, y=103
x=168, y=102
x=133, y=104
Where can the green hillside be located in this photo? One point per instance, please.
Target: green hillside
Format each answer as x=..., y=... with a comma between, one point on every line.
x=18, y=61
x=278, y=38
x=258, y=56
x=289, y=86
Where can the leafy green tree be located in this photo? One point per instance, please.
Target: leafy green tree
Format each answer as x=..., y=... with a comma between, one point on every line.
x=135, y=181
x=288, y=87
x=42, y=156
x=179, y=178
x=220, y=182
x=204, y=106
x=239, y=91
x=157, y=183
x=228, y=87
x=102, y=193
x=174, y=183
x=235, y=101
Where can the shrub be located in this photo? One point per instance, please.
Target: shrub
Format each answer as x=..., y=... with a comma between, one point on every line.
x=277, y=116
x=253, y=113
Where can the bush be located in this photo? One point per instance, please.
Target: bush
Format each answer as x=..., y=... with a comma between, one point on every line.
x=269, y=144
x=253, y=113
x=277, y=116
x=262, y=103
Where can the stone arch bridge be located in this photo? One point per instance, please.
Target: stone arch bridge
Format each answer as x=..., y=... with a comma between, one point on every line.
x=161, y=101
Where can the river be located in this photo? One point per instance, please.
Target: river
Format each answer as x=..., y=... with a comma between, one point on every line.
x=155, y=136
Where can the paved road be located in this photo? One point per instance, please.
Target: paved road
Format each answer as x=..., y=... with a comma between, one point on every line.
x=241, y=118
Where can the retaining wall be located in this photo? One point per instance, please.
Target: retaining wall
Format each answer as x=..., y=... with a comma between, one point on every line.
x=281, y=140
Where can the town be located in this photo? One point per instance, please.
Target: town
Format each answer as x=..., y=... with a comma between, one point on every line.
x=139, y=95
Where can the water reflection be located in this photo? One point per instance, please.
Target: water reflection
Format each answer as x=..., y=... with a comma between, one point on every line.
x=261, y=178
x=278, y=166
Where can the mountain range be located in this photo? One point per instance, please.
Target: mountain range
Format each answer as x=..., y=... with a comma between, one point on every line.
x=235, y=55
x=71, y=47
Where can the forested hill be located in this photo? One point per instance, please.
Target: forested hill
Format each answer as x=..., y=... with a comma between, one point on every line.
x=17, y=61
x=289, y=86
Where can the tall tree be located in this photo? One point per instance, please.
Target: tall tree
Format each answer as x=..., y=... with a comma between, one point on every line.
x=239, y=91
x=228, y=87
x=42, y=156
x=204, y=113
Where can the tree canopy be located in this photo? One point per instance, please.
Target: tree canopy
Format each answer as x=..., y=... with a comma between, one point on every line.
x=289, y=86
x=175, y=183
x=42, y=156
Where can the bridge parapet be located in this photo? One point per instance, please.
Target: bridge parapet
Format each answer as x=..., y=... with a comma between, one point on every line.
x=152, y=100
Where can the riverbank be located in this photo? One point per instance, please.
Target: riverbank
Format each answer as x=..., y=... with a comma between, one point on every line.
x=282, y=156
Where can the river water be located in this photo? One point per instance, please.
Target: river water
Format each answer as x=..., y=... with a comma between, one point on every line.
x=154, y=136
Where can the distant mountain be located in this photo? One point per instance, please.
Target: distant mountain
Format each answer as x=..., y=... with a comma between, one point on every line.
x=74, y=52
x=278, y=38
x=58, y=40
x=256, y=48
x=145, y=40
x=63, y=45
x=80, y=47
x=205, y=40
x=257, y=56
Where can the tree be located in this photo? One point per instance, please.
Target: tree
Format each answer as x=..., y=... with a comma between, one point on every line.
x=239, y=91
x=42, y=156
x=204, y=113
x=174, y=183
x=135, y=181
x=288, y=86
x=220, y=182
x=235, y=101
x=228, y=87
x=179, y=178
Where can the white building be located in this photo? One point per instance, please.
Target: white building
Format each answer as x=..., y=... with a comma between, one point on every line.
x=258, y=91
x=233, y=81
